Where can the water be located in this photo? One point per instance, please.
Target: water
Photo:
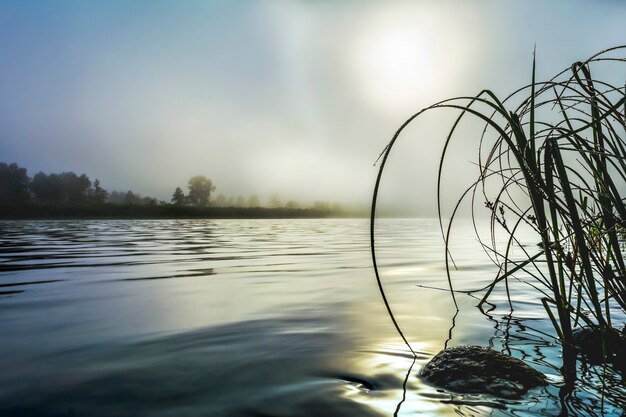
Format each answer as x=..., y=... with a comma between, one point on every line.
x=256, y=318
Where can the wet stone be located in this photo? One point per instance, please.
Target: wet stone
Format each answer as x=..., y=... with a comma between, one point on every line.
x=588, y=341
x=478, y=370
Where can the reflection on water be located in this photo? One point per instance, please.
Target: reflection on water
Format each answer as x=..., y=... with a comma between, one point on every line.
x=255, y=318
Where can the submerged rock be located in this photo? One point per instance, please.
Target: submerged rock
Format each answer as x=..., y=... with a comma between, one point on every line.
x=478, y=370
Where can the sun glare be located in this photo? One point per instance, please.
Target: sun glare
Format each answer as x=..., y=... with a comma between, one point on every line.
x=396, y=64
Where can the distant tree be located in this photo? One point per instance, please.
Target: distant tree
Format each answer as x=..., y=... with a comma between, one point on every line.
x=220, y=201
x=126, y=197
x=178, y=198
x=75, y=188
x=200, y=188
x=149, y=201
x=116, y=197
x=292, y=204
x=321, y=206
x=98, y=194
x=14, y=183
x=63, y=188
x=240, y=202
x=275, y=201
x=46, y=188
x=337, y=208
x=131, y=198
x=253, y=201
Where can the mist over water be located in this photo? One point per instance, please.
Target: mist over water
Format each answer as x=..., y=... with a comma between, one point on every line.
x=296, y=98
x=253, y=318
x=258, y=109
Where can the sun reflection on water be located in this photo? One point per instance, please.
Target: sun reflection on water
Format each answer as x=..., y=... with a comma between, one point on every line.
x=408, y=397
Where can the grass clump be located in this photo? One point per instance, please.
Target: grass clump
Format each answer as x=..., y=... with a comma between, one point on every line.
x=555, y=162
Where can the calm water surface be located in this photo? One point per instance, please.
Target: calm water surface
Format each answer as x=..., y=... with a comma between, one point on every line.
x=256, y=318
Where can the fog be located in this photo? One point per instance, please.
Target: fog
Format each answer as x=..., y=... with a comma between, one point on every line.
x=297, y=98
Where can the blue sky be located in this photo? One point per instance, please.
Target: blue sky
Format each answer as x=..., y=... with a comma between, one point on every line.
x=294, y=97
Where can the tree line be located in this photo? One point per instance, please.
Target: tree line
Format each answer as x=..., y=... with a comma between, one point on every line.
x=16, y=187
x=70, y=189
x=199, y=195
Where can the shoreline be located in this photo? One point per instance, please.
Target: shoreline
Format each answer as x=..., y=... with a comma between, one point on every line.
x=164, y=212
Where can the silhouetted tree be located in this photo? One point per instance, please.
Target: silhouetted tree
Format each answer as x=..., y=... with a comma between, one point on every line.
x=200, y=189
x=178, y=198
x=240, y=202
x=46, y=188
x=76, y=188
x=98, y=194
x=14, y=184
x=63, y=188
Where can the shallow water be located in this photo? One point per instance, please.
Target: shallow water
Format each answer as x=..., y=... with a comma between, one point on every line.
x=256, y=318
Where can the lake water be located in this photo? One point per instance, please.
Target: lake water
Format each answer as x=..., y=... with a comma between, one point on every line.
x=257, y=318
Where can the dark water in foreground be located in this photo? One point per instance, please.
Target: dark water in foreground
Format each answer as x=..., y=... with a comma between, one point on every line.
x=255, y=318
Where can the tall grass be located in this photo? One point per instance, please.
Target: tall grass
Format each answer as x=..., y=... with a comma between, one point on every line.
x=554, y=163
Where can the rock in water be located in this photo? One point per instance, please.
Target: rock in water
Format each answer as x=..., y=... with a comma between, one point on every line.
x=588, y=340
x=477, y=370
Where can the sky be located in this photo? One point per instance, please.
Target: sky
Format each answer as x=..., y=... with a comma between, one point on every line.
x=291, y=97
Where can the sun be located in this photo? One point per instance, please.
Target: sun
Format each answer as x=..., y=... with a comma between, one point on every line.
x=395, y=63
